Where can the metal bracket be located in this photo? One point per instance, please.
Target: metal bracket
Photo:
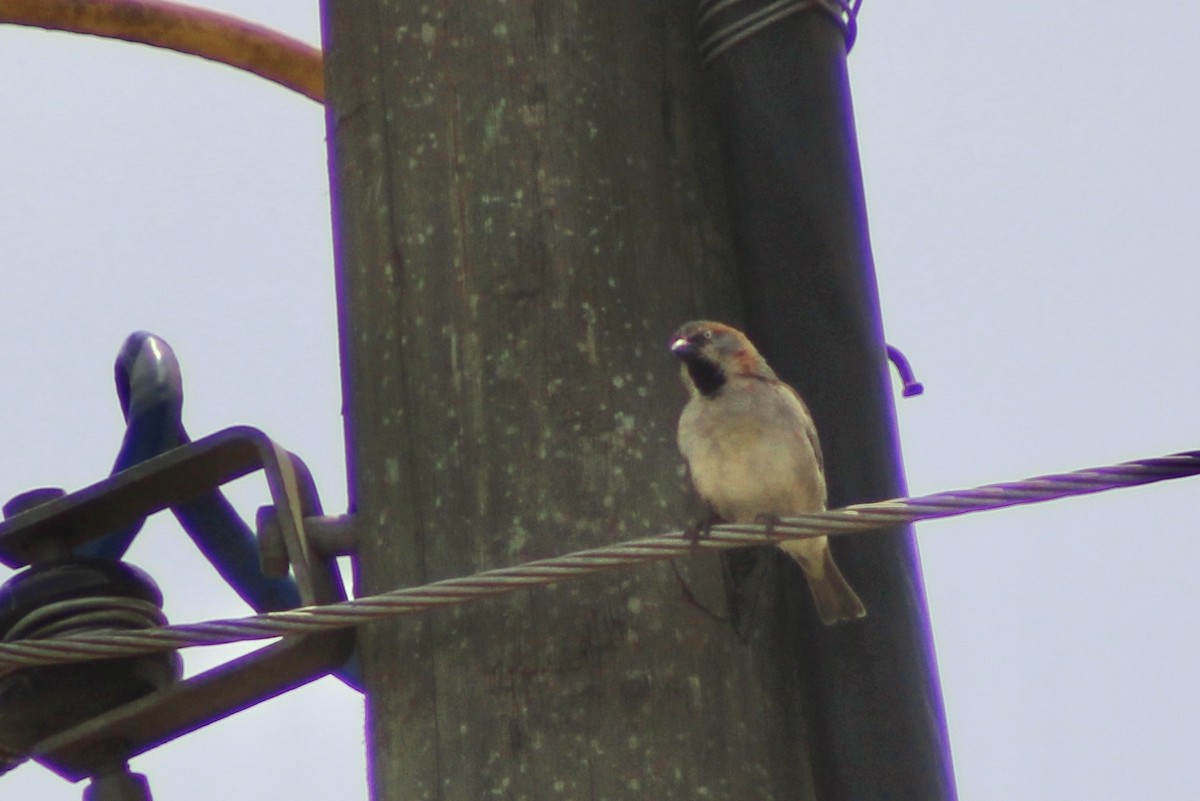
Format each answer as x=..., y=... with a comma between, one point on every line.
x=152, y=486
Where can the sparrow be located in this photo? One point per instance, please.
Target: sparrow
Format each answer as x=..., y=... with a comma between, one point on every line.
x=752, y=450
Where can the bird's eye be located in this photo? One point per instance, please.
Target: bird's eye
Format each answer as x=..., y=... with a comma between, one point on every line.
x=708, y=334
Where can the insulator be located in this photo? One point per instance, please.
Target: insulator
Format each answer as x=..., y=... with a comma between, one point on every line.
x=67, y=597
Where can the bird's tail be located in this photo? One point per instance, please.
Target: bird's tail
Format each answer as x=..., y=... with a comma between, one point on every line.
x=836, y=600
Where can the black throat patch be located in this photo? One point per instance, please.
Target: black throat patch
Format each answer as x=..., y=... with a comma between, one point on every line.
x=706, y=375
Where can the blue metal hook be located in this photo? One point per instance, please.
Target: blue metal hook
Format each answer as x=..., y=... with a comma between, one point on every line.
x=150, y=388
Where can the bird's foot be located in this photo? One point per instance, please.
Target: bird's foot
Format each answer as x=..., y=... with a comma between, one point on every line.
x=700, y=528
x=769, y=521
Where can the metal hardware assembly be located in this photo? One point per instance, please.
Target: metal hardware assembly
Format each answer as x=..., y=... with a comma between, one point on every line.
x=100, y=746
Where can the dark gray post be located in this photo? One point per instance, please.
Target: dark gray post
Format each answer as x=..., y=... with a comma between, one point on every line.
x=808, y=282
x=528, y=200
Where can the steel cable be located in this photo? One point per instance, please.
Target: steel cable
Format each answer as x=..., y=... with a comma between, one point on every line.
x=850, y=519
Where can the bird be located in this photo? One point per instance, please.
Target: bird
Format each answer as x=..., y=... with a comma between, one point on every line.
x=752, y=451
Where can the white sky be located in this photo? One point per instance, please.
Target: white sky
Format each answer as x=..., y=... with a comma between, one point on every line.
x=1031, y=176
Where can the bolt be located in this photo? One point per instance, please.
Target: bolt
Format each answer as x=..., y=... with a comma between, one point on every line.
x=272, y=551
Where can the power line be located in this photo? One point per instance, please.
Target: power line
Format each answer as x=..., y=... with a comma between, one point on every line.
x=449, y=592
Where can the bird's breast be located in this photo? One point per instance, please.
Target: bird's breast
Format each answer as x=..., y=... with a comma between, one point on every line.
x=749, y=453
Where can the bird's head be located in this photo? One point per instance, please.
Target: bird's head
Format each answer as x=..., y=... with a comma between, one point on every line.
x=713, y=352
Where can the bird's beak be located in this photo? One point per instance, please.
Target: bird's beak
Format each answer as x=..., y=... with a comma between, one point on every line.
x=682, y=348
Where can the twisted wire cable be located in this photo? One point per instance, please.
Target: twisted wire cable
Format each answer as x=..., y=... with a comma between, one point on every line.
x=85, y=614
x=725, y=23
x=851, y=519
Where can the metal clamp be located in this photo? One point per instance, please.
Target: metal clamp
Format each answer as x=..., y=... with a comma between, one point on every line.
x=175, y=477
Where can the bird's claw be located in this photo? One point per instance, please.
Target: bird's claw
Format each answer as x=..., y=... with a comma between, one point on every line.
x=768, y=521
x=701, y=528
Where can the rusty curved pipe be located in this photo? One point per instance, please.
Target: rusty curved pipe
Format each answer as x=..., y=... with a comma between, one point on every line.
x=185, y=29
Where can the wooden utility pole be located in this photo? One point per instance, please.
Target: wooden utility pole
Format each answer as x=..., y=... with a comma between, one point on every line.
x=528, y=199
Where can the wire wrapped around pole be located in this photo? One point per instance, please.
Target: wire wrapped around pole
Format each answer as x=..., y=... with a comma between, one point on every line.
x=851, y=519
x=723, y=24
